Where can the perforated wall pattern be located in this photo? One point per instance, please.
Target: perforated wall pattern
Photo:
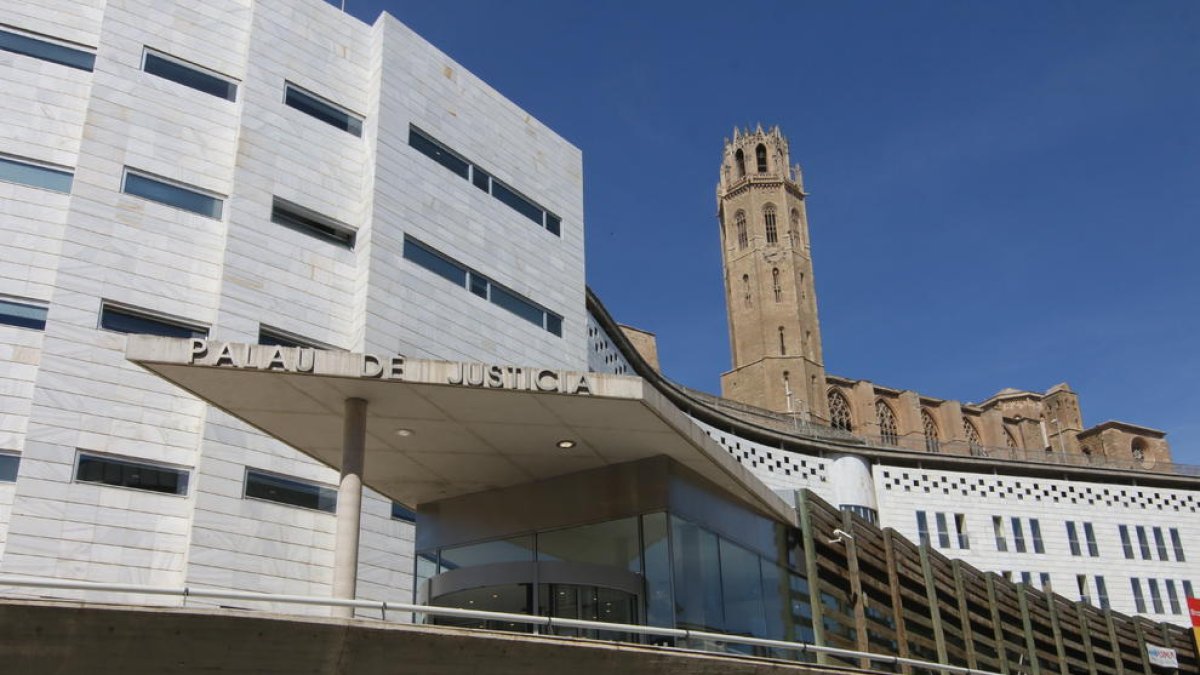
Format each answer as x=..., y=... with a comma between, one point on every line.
x=603, y=356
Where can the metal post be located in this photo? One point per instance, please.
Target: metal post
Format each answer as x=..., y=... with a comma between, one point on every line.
x=349, y=505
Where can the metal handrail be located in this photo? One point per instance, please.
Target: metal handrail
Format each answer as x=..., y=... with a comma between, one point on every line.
x=383, y=606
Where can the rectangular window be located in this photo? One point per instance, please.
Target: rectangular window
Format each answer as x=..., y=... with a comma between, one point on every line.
x=1044, y=577
x=175, y=70
x=922, y=528
x=1160, y=542
x=1143, y=542
x=998, y=529
x=1173, y=597
x=290, y=491
x=432, y=148
x=1082, y=582
x=179, y=196
x=1155, y=596
x=1102, y=592
x=402, y=512
x=943, y=531
x=1035, y=533
x=1027, y=578
x=32, y=174
x=1187, y=589
x=1139, y=600
x=9, y=463
x=322, y=109
x=23, y=314
x=281, y=338
x=1018, y=535
x=1177, y=544
x=1126, y=543
x=960, y=528
x=125, y=320
x=481, y=286
x=47, y=51
x=1089, y=533
x=310, y=222
x=131, y=474
x=1073, y=539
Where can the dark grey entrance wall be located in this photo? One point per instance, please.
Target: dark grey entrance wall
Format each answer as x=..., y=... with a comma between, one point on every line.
x=66, y=638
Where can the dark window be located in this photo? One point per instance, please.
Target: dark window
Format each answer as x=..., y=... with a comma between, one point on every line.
x=402, y=512
x=311, y=223
x=1187, y=589
x=760, y=154
x=1155, y=596
x=131, y=321
x=290, y=491
x=554, y=323
x=479, y=285
x=1143, y=543
x=1139, y=600
x=438, y=153
x=323, y=110
x=1044, y=580
x=131, y=474
x=189, y=76
x=434, y=263
x=517, y=305
x=178, y=196
x=1089, y=533
x=9, y=463
x=553, y=224
x=998, y=528
x=34, y=175
x=960, y=527
x=1126, y=543
x=479, y=177
x=46, y=51
x=1160, y=543
x=1073, y=539
x=922, y=528
x=1102, y=592
x=516, y=201
x=1035, y=533
x=279, y=338
x=1027, y=578
x=24, y=315
x=943, y=531
x=739, y=159
x=1018, y=535
x=1177, y=543
x=1173, y=596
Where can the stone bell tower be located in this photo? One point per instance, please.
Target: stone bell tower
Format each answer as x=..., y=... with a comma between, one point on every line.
x=773, y=328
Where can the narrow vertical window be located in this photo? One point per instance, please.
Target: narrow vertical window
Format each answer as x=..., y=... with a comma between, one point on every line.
x=960, y=529
x=776, y=285
x=1143, y=543
x=1155, y=596
x=1139, y=600
x=739, y=159
x=782, y=343
x=1082, y=582
x=1089, y=533
x=922, y=528
x=1177, y=543
x=931, y=432
x=943, y=530
x=769, y=224
x=739, y=223
x=746, y=289
x=794, y=225
x=1073, y=539
x=1018, y=535
x=1102, y=592
x=1173, y=596
x=1160, y=543
x=760, y=155
x=998, y=530
x=1027, y=578
x=1125, y=541
x=1045, y=579
x=1035, y=533
x=888, y=432
x=1187, y=589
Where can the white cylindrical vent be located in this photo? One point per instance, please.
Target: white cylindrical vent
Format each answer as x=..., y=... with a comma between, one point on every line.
x=852, y=482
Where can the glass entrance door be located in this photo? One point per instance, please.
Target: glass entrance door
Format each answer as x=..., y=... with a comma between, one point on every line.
x=590, y=603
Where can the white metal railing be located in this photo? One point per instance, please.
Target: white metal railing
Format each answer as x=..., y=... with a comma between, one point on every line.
x=383, y=606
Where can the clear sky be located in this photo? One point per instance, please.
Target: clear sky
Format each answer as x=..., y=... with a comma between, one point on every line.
x=1002, y=194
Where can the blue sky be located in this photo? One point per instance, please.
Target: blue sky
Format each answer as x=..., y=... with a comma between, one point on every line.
x=1001, y=194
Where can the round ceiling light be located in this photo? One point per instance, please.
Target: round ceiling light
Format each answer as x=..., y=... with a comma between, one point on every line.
x=404, y=433
x=566, y=444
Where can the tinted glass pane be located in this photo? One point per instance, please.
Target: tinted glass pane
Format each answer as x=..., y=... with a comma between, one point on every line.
x=517, y=202
x=172, y=195
x=659, y=610
x=1125, y=542
x=614, y=544
x=8, y=467
x=697, y=567
x=481, y=179
x=33, y=175
x=434, y=263
x=479, y=285
x=301, y=222
x=402, y=512
x=190, y=77
x=1035, y=532
x=517, y=305
x=123, y=473
x=554, y=224
x=943, y=533
x=742, y=590
x=517, y=549
x=554, y=323
x=20, y=314
x=121, y=321
x=1177, y=543
x=1160, y=543
x=433, y=150
x=46, y=51
x=290, y=491
x=323, y=111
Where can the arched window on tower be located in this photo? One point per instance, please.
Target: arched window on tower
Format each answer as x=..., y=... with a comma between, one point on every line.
x=974, y=444
x=794, y=228
x=739, y=222
x=739, y=159
x=932, y=443
x=746, y=289
x=1138, y=448
x=887, y=423
x=839, y=411
x=775, y=284
x=760, y=154
x=782, y=343
x=769, y=222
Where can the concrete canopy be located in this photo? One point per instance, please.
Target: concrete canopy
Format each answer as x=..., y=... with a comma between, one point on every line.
x=438, y=429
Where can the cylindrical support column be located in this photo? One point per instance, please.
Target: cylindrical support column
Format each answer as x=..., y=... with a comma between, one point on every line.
x=349, y=504
x=853, y=485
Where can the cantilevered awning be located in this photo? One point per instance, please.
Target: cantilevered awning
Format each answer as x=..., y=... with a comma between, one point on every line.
x=439, y=429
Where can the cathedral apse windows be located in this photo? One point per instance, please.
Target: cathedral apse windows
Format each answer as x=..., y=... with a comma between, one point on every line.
x=760, y=155
x=887, y=423
x=769, y=223
x=739, y=223
x=974, y=444
x=932, y=444
x=839, y=411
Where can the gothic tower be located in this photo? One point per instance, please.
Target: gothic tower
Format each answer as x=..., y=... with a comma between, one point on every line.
x=773, y=329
